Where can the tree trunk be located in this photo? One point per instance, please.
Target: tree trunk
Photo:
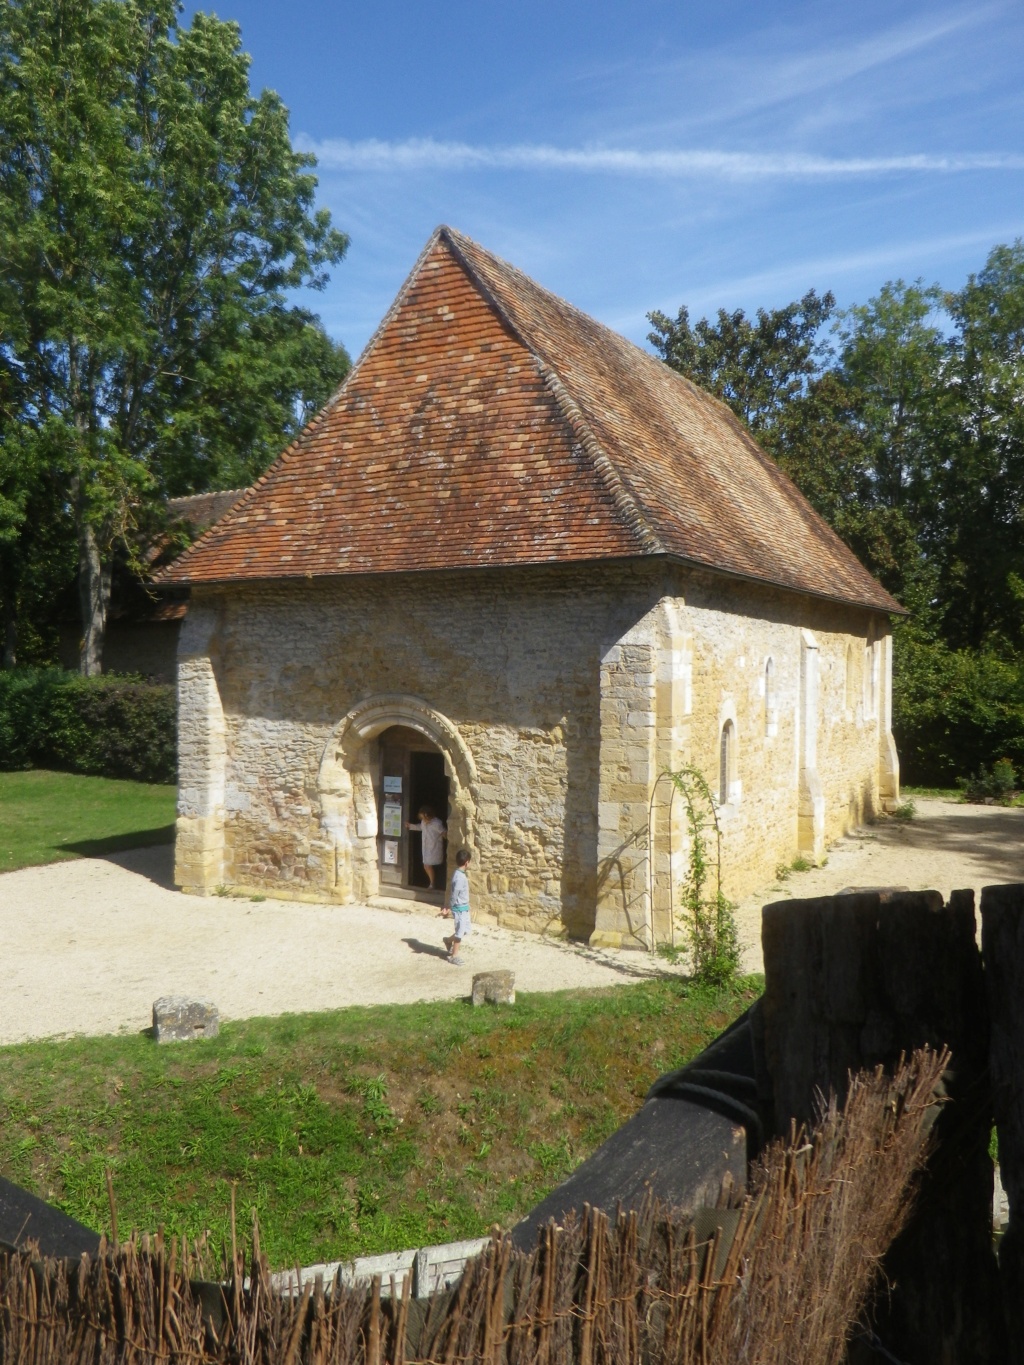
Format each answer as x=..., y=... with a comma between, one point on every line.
x=10, y=629
x=94, y=598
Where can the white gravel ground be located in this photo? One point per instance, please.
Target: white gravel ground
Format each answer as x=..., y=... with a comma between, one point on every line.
x=947, y=846
x=87, y=946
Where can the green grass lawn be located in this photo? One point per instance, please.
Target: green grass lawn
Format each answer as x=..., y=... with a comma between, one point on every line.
x=351, y=1132
x=45, y=817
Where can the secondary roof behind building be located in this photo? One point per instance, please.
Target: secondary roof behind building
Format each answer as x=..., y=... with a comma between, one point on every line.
x=489, y=423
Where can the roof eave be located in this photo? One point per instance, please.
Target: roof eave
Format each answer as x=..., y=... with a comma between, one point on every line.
x=762, y=580
x=839, y=599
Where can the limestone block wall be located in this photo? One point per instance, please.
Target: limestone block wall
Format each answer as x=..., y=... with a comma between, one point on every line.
x=202, y=755
x=755, y=652
x=511, y=661
x=559, y=697
x=645, y=704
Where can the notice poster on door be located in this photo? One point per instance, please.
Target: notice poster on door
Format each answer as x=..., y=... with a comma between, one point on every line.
x=391, y=852
x=392, y=786
x=392, y=821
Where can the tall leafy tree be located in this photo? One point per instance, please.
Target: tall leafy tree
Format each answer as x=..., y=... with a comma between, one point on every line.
x=982, y=478
x=892, y=365
x=758, y=367
x=154, y=220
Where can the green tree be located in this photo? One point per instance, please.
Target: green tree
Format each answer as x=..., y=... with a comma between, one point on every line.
x=757, y=367
x=154, y=219
x=892, y=362
x=982, y=476
x=892, y=365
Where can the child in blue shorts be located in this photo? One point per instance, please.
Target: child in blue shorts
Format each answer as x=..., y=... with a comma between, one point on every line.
x=458, y=907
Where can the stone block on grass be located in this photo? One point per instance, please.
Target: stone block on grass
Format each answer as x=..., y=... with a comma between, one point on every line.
x=180, y=1018
x=496, y=988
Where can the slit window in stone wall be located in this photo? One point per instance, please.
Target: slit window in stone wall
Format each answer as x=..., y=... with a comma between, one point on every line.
x=726, y=761
x=869, y=678
x=851, y=686
x=770, y=704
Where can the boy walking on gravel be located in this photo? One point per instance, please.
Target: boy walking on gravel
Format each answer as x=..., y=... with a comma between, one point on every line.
x=458, y=907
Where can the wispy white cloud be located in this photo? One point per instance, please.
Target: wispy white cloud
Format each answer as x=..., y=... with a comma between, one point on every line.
x=426, y=154
x=776, y=77
x=823, y=271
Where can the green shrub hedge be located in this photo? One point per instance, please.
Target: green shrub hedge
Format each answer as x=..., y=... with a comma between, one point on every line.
x=954, y=709
x=110, y=726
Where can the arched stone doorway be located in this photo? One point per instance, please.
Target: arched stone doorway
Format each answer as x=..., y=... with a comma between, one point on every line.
x=413, y=779
x=350, y=786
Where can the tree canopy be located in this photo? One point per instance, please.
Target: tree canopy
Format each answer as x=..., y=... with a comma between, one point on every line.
x=155, y=222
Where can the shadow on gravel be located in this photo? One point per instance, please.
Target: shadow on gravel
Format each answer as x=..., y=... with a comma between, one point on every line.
x=152, y=860
x=990, y=836
x=427, y=949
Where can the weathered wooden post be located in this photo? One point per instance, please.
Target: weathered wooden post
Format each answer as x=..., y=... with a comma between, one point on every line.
x=1002, y=940
x=852, y=982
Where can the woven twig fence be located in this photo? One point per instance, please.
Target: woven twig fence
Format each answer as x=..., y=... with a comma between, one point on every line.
x=779, y=1277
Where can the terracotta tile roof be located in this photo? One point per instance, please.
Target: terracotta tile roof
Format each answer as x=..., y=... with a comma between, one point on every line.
x=490, y=423
x=201, y=510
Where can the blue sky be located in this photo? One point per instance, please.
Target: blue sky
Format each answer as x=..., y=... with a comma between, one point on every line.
x=642, y=155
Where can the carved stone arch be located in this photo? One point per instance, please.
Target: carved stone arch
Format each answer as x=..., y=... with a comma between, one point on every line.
x=348, y=771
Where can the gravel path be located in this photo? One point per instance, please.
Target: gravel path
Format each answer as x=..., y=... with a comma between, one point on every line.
x=87, y=946
x=945, y=847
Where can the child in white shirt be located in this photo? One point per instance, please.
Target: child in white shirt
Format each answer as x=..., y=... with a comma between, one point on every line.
x=432, y=836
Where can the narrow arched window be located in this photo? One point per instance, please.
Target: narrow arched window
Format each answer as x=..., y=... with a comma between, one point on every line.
x=769, y=697
x=869, y=677
x=726, y=761
x=851, y=693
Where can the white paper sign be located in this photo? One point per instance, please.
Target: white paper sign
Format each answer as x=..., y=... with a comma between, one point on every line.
x=391, y=852
x=393, y=786
x=392, y=821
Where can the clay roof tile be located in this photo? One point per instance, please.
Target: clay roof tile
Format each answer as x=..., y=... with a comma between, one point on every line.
x=490, y=423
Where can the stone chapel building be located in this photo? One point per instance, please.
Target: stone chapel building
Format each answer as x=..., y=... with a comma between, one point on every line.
x=517, y=569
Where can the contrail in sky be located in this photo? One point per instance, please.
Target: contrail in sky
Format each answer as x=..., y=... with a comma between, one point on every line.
x=426, y=154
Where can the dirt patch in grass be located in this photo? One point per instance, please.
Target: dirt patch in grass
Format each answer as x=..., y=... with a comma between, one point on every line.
x=351, y=1132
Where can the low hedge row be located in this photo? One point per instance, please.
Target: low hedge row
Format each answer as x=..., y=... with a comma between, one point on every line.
x=110, y=726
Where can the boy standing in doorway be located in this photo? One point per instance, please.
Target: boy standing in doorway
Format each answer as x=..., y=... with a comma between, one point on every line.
x=458, y=907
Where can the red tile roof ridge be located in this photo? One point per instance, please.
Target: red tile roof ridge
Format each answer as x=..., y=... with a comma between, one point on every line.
x=465, y=248
x=622, y=495
x=774, y=471
x=459, y=240
x=193, y=507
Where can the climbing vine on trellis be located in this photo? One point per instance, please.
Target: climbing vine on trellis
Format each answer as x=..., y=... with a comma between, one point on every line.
x=708, y=919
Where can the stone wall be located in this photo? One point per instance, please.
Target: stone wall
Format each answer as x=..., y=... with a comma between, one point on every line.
x=558, y=697
x=511, y=661
x=737, y=629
